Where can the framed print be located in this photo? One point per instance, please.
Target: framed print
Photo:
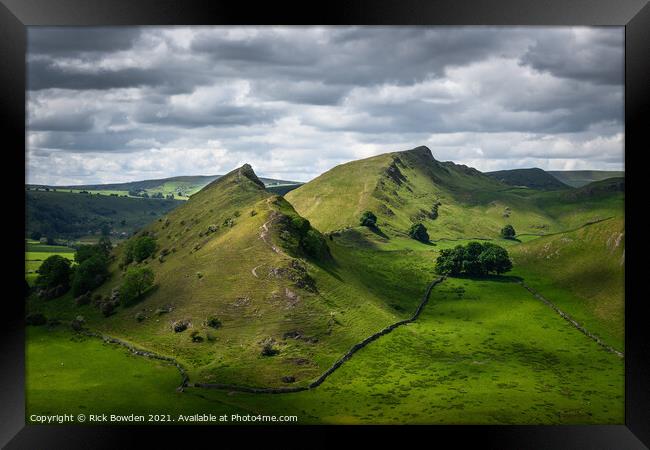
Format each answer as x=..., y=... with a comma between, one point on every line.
x=249, y=223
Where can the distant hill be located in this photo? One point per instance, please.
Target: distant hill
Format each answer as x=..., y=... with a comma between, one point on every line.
x=578, y=178
x=534, y=178
x=181, y=186
x=70, y=216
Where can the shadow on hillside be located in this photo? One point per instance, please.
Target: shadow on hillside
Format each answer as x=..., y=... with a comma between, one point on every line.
x=143, y=297
x=378, y=232
x=495, y=278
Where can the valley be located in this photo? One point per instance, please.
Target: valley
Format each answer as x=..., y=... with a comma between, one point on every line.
x=273, y=289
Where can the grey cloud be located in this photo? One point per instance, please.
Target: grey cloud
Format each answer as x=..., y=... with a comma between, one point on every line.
x=601, y=60
x=65, y=41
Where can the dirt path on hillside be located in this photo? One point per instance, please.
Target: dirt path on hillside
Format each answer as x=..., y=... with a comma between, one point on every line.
x=264, y=235
x=572, y=321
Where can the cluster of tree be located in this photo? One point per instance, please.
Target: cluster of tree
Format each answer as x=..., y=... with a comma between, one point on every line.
x=139, y=249
x=368, y=219
x=136, y=282
x=92, y=266
x=508, y=232
x=309, y=240
x=474, y=259
x=56, y=275
x=419, y=232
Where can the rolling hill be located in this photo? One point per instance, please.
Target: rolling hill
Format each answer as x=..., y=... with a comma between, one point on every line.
x=65, y=215
x=298, y=276
x=578, y=178
x=534, y=178
x=452, y=201
x=180, y=186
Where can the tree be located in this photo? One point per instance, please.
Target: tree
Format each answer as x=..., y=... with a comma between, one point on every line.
x=136, y=282
x=35, y=235
x=508, y=232
x=419, y=232
x=368, y=219
x=495, y=259
x=55, y=271
x=139, y=249
x=474, y=259
x=90, y=274
x=105, y=245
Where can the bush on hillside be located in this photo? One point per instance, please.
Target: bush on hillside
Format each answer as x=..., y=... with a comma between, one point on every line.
x=508, y=232
x=368, y=219
x=136, y=282
x=139, y=249
x=107, y=307
x=54, y=272
x=90, y=274
x=474, y=259
x=213, y=322
x=419, y=232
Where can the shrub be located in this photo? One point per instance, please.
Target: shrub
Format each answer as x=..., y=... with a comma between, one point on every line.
x=90, y=274
x=508, y=232
x=35, y=319
x=179, y=326
x=213, y=322
x=419, y=233
x=136, y=282
x=268, y=350
x=55, y=271
x=196, y=337
x=77, y=323
x=368, y=219
x=107, y=308
x=140, y=316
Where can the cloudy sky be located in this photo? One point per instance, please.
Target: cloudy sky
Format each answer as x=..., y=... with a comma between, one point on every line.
x=120, y=104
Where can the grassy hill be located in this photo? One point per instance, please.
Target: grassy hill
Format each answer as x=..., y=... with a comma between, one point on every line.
x=70, y=216
x=483, y=351
x=403, y=188
x=181, y=187
x=578, y=178
x=534, y=178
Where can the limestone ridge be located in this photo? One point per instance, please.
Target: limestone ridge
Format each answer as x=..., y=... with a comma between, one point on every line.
x=243, y=174
x=246, y=171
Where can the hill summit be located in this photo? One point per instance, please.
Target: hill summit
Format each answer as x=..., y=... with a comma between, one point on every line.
x=233, y=257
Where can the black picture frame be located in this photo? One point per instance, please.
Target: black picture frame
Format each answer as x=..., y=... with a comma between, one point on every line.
x=16, y=15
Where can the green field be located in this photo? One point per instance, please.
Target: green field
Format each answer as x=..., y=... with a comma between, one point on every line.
x=483, y=351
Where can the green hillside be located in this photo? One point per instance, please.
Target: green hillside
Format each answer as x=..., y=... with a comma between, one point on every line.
x=295, y=282
x=534, y=178
x=578, y=178
x=583, y=271
x=180, y=187
x=71, y=216
x=403, y=188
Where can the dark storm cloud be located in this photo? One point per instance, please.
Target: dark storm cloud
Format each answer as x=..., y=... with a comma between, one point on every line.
x=271, y=95
x=563, y=55
x=57, y=41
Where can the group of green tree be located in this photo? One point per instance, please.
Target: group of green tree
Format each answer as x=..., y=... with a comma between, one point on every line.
x=474, y=259
x=57, y=275
x=417, y=230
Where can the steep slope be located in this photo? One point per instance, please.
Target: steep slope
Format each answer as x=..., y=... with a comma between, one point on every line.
x=533, y=178
x=579, y=178
x=402, y=188
x=582, y=271
x=239, y=254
